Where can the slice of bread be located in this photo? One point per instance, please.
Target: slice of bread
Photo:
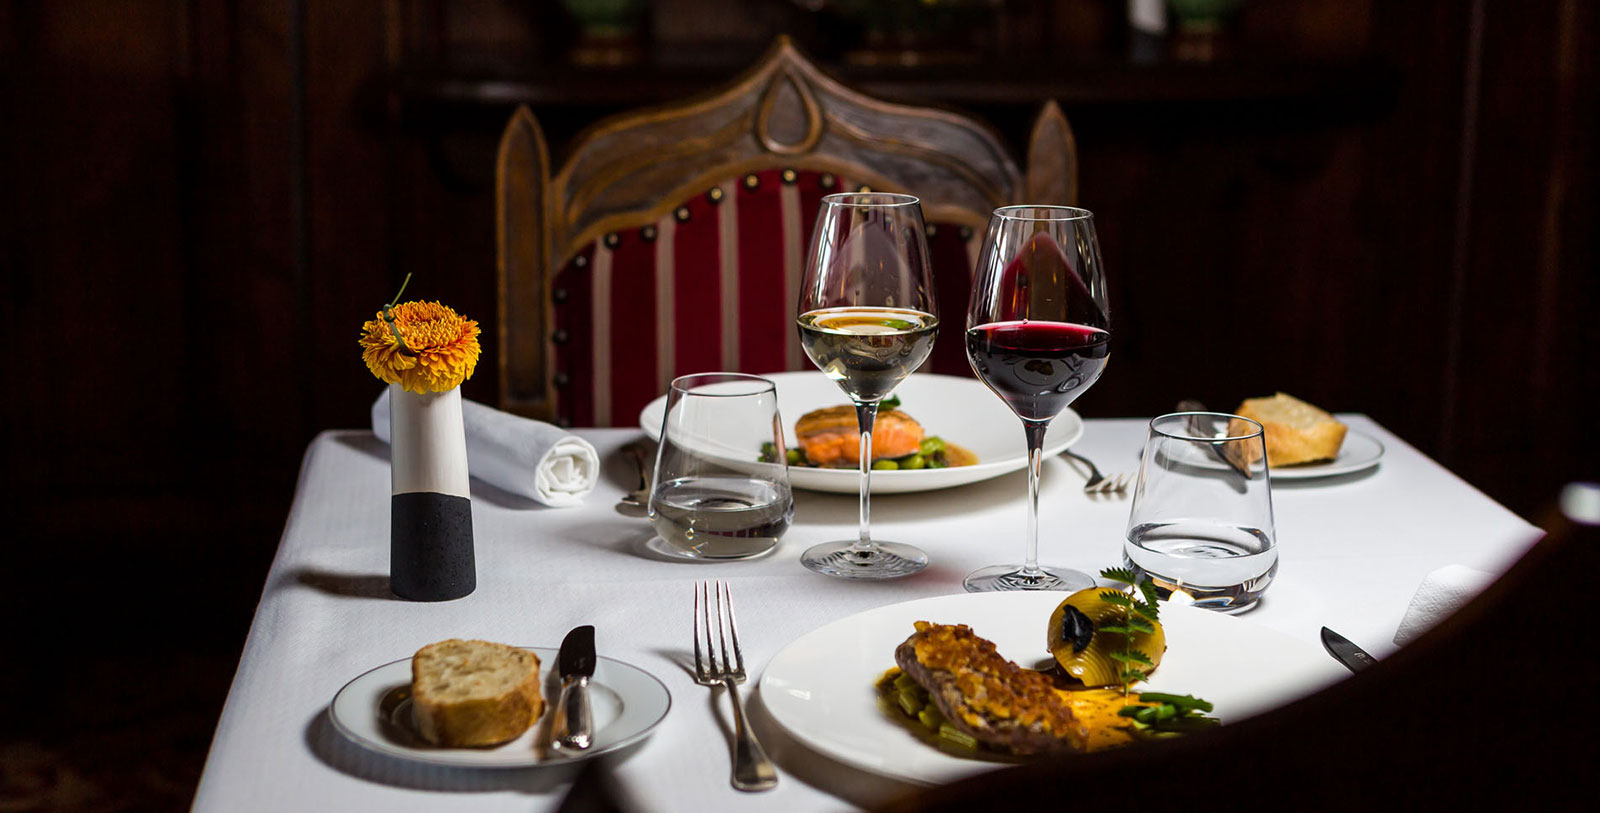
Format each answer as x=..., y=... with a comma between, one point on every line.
x=467, y=693
x=1296, y=431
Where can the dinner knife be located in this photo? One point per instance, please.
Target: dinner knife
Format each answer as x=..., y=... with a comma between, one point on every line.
x=574, y=723
x=1203, y=427
x=1345, y=651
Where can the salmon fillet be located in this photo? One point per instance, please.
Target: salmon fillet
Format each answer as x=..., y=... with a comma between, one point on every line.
x=830, y=436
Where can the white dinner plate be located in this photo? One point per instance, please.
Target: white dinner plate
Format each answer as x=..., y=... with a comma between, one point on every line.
x=374, y=711
x=820, y=687
x=961, y=410
x=1358, y=452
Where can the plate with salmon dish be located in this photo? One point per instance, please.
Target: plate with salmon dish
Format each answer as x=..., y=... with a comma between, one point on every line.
x=935, y=431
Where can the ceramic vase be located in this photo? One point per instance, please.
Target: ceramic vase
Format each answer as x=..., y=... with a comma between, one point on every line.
x=430, y=510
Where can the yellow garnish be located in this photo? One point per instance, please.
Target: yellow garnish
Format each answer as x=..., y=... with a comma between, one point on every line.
x=439, y=350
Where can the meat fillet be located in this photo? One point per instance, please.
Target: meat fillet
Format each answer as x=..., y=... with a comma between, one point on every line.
x=996, y=701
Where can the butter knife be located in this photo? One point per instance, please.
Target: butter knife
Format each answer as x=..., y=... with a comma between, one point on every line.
x=1345, y=651
x=574, y=723
x=1203, y=427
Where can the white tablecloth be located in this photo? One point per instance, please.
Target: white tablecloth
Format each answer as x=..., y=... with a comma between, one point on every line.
x=1353, y=548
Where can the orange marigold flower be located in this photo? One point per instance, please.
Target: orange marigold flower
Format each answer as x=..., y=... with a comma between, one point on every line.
x=441, y=348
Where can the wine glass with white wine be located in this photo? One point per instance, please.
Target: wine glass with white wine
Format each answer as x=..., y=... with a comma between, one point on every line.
x=867, y=319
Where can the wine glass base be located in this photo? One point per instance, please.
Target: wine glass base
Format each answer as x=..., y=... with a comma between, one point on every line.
x=1011, y=577
x=887, y=560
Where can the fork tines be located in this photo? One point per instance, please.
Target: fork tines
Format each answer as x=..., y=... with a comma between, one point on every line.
x=714, y=598
x=1107, y=485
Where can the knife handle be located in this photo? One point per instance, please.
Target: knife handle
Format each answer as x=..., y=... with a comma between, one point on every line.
x=574, y=723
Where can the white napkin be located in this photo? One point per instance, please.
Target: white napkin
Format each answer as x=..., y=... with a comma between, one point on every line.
x=1441, y=593
x=526, y=457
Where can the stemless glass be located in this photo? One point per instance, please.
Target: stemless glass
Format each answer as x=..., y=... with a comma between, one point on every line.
x=1038, y=334
x=867, y=318
x=1201, y=524
x=721, y=488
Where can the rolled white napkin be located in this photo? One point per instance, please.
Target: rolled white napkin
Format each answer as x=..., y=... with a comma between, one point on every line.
x=529, y=458
x=1441, y=593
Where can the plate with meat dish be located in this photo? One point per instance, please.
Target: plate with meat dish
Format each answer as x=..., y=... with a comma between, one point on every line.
x=961, y=432
x=825, y=688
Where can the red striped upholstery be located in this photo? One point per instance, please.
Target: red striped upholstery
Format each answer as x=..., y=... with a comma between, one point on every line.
x=710, y=286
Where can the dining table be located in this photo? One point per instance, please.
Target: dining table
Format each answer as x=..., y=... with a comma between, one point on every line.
x=1353, y=550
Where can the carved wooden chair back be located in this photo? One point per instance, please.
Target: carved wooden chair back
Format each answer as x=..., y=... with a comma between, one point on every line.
x=672, y=239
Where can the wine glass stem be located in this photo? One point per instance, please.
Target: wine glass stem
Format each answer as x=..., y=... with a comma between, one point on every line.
x=866, y=416
x=1035, y=431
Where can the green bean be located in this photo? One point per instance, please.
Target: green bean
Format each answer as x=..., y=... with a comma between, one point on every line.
x=794, y=457
x=955, y=735
x=903, y=682
x=914, y=461
x=909, y=702
x=931, y=445
x=1184, y=702
x=885, y=465
x=931, y=718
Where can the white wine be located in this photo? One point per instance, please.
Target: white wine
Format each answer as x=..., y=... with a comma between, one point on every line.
x=867, y=351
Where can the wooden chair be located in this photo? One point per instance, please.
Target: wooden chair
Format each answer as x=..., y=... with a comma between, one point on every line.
x=672, y=239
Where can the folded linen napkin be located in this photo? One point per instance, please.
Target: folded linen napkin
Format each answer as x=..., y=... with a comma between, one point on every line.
x=1441, y=593
x=525, y=457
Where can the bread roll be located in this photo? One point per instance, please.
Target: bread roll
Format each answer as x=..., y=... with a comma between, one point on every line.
x=467, y=693
x=1296, y=432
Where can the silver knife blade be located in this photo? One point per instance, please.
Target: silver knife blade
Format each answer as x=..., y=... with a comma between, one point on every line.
x=1345, y=651
x=576, y=657
x=574, y=724
x=1203, y=427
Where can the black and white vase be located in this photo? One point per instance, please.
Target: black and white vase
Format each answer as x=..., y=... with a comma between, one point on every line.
x=430, y=510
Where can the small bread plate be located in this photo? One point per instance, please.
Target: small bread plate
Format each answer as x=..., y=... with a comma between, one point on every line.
x=820, y=686
x=1359, y=452
x=374, y=712
x=962, y=411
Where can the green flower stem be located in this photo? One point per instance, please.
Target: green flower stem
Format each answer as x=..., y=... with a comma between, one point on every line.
x=388, y=316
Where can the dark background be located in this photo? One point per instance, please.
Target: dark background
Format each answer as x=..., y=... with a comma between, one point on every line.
x=1381, y=207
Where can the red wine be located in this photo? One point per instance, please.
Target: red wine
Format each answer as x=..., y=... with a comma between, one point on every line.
x=1037, y=368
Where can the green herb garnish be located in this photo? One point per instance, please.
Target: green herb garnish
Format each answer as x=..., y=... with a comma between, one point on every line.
x=1139, y=615
x=1173, y=714
x=889, y=403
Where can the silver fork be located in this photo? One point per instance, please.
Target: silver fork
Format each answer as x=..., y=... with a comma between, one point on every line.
x=752, y=770
x=1099, y=483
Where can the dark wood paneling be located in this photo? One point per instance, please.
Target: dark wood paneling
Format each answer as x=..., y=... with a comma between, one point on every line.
x=355, y=205
x=1412, y=188
x=94, y=192
x=1525, y=350
x=1364, y=238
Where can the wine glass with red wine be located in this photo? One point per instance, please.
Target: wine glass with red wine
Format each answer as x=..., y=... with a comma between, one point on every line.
x=1038, y=334
x=867, y=318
